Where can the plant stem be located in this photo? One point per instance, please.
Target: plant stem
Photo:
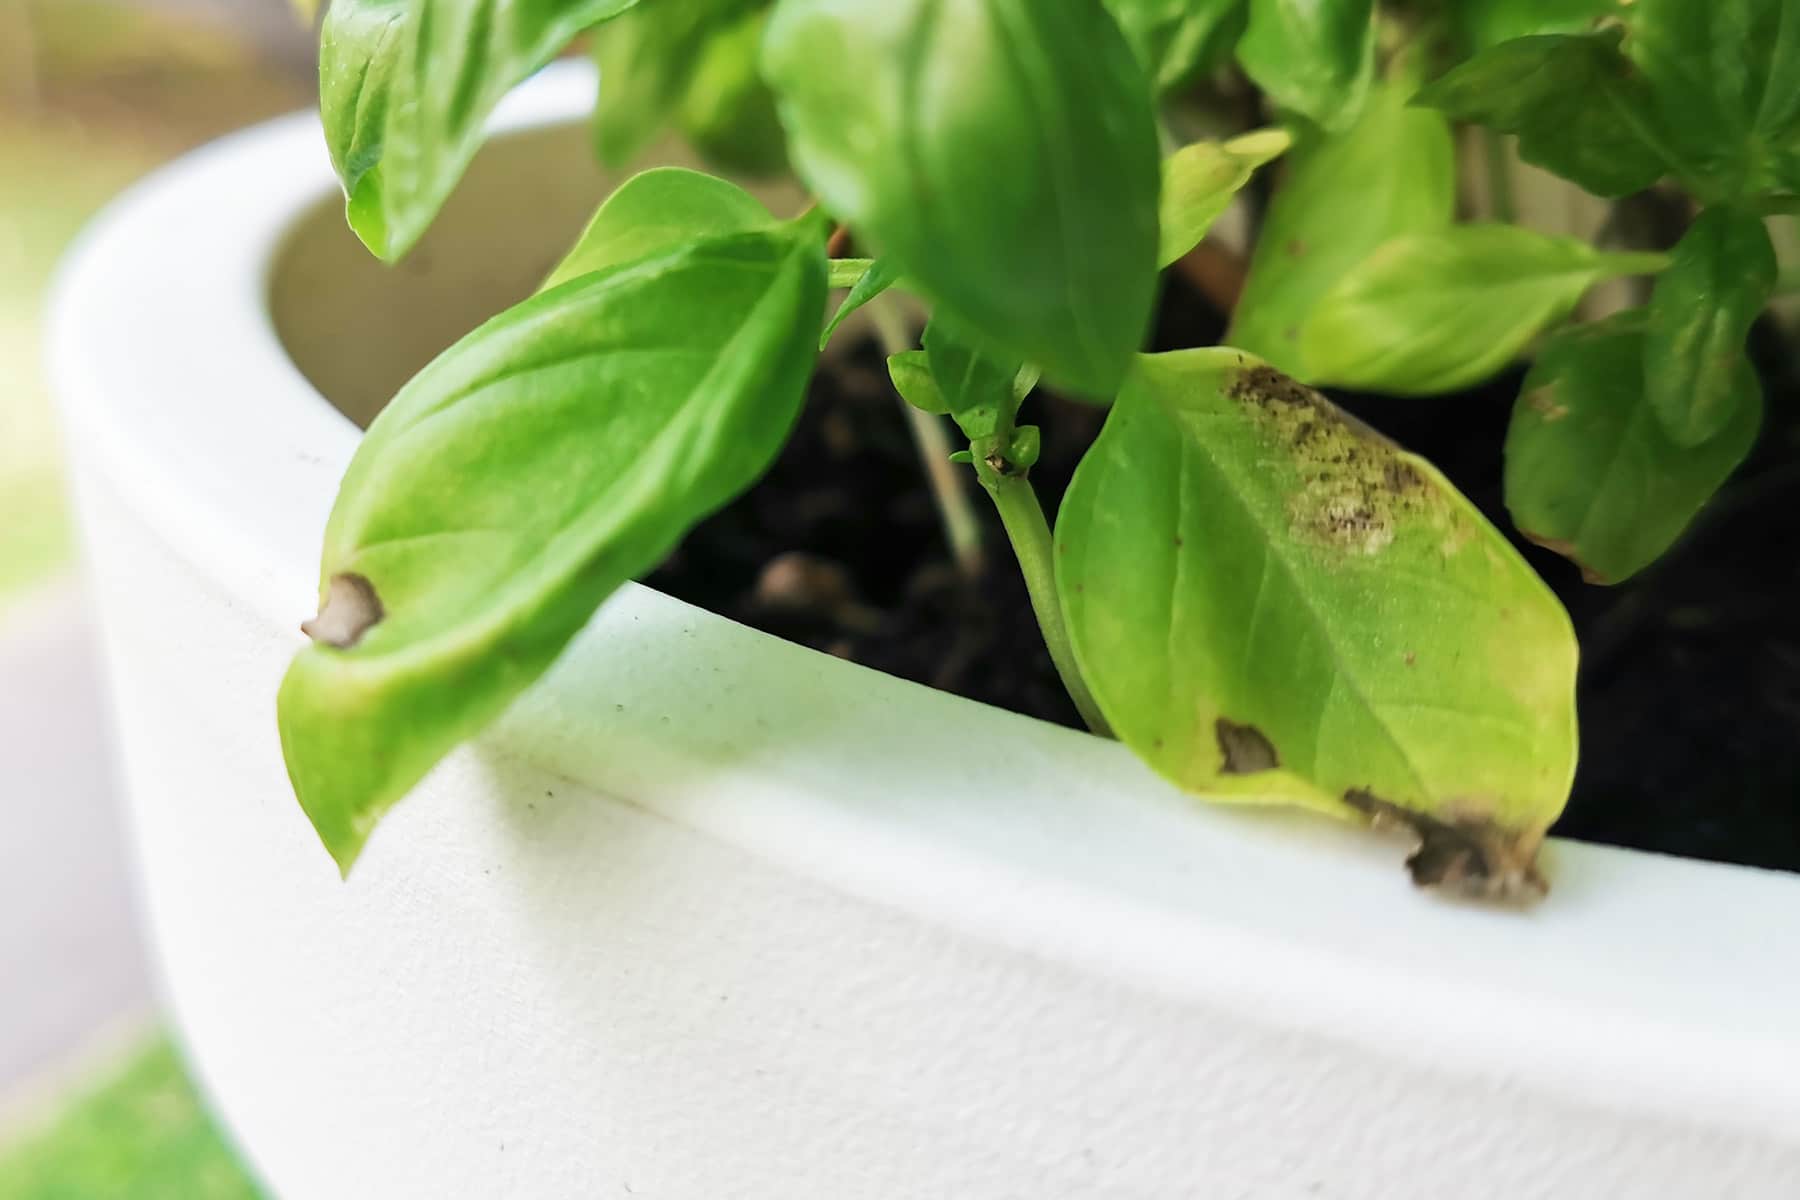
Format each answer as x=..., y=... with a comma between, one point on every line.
x=1029, y=533
x=962, y=529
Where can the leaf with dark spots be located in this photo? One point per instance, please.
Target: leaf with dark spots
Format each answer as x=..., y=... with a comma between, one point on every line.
x=552, y=454
x=1244, y=567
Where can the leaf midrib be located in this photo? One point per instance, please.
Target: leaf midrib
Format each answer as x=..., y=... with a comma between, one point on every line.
x=1274, y=550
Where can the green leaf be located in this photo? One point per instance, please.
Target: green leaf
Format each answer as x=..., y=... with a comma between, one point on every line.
x=1315, y=57
x=554, y=453
x=1726, y=81
x=1481, y=24
x=1273, y=604
x=1201, y=179
x=405, y=87
x=1178, y=40
x=1578, y=107
x=1590, y=472
x=976, y=387
x=1345, y=195
x=655, y=210
x=882, y=274
x=728, y=112
x=1700, y=315
x=647, y=58
x=1003, y=152
x=1437, y=312
x=845, y=272
x=911, y=372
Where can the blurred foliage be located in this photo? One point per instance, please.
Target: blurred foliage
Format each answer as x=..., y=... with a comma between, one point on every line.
x=139, y=1135
x=92, y=95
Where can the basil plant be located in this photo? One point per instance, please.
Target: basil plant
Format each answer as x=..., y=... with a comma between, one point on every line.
x=1266, y=600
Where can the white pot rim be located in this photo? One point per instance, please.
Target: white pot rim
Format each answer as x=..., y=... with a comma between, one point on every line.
x=1667, y=982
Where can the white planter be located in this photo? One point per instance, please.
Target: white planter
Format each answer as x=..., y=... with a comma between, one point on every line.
x=714, y=917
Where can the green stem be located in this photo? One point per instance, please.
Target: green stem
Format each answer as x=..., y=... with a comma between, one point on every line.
x=962, y=528
x=1029, y=533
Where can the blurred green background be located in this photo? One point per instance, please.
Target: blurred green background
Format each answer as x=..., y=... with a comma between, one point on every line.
x=94, y=94
x=139, y=1131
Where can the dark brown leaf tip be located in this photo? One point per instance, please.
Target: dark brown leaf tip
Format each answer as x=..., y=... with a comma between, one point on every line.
x=350, y=610
x=1246, y=751
x=1472, y=858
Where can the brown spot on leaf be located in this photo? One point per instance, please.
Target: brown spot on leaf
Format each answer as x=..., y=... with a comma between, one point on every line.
x=350, y=610
x=1470, y=856
x=1356, y=487
x=1245, y=749
x=1544, y=403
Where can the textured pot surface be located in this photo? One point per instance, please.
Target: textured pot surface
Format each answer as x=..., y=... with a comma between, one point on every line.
x=713, y=916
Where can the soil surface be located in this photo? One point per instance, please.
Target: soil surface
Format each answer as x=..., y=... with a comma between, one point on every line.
x=1689, y=691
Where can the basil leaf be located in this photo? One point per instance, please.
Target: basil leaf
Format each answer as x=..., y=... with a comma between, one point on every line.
x=1178, y=40
x=1726, y=81
x=975, y=387
x=1273, y=604
x=1578, y=107
x=406, y=85
x=1590, y=472
x=728, y=112
x=911, y=372
x=655, y=210
x=1201, y=179
x=1436, y=312
x=551, y=455
x=1003, y=152
x=1700, y=315
x=882, y=274
x=1481, y=24
x=646, y=59
x=1394, y=172
x=1315, y=57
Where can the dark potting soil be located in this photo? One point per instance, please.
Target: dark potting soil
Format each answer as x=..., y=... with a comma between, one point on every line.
x=1689, y=692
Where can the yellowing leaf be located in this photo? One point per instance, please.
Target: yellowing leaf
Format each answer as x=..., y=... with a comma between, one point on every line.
x=1201, y=179
x=1438, y=311
x=1273, y=604
x=1344, y=195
